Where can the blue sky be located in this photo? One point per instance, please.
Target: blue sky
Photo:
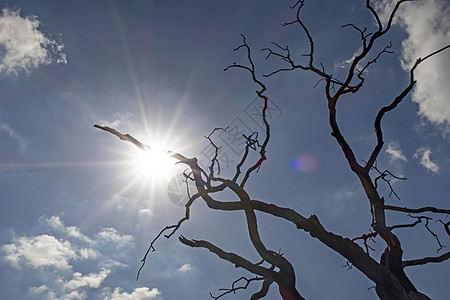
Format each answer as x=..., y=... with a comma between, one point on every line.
x=78, y=210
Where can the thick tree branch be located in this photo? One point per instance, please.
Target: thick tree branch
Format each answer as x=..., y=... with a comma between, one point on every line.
x=233, y=258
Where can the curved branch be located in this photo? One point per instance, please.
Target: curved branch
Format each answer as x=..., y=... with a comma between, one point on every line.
x=241, y=262
x=263, y=291
x=235, y=259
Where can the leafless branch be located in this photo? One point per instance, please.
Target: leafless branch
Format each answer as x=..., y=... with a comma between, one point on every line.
x=426, y=260
x=382, y=176
x=446, y=227
x=263, y=291
x=214, y=160
x=152, y=248
x=367, y=237
x=427, y=219
x=250, y=68
x=250, y=142
x=233, y=258
x=417, y=210
x=385, y=50
x=235, y=287
x=362, y=33
x=129, y=138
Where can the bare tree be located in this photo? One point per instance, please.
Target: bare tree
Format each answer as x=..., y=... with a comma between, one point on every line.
x=388, y=275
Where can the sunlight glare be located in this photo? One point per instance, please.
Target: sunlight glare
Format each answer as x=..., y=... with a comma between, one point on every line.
x=153, y=165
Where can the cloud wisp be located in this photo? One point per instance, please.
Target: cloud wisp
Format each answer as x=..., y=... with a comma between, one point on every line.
x=23, y=46
x=423, y=154
x=15, y=136
x=185, y=268
x=393, y=149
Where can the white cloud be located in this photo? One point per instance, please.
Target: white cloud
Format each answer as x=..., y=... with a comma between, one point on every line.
x=138, y=294
x=87, y=253
x=71, y=231
x=23, y=46
x=185, y=268
x=427, y=24
x=76, y=295
x=12, y=134
x=93, y=280
x=74, y=231
x=54, y=222
x=111, y=234
x=39, y=251
x=393, y=149
x=43, y=292
x=423, y=154
x=57, y=261
x=38, y=290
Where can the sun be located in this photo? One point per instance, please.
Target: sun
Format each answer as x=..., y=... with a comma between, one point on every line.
x=153, y=165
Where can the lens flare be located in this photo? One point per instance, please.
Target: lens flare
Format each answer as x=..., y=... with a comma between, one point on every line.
x=306, y=163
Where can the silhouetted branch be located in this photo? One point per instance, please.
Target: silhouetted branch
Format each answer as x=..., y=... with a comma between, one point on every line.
x=419, y=219
x=365, y=237
x=426, y=260
x=234, y=286
x=251, y=69
x=214, y=160
x=152, y=248
x=417, y=210
x=427, y=219
x=446, y=227
x=370, y=236
x=238, y=261
x=385, y=50
x=382, y=176
x=362, y=33
x=129, y=138
x=263, y=291
x=250, y=142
